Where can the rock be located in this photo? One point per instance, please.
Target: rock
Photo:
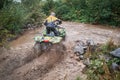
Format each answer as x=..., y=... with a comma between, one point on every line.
x=77, y=53
x=81, y=57
x=79, y=47
x=90, y=42
x=115, y=66
x=86, y=62
x=106, y=57
x=116, y=53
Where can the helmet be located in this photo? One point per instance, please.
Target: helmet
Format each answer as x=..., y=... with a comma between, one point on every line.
x=52, y=13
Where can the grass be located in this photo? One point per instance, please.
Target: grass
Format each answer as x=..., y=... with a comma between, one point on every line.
x=99, y=68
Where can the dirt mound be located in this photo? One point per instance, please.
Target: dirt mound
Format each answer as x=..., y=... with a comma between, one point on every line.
x=25, y=65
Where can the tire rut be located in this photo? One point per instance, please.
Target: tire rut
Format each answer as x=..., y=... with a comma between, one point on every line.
x=27, y=66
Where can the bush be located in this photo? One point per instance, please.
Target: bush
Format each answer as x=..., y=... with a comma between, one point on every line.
x=60, y=11
x=14, y=16
x=90, y=11
x=48, y=6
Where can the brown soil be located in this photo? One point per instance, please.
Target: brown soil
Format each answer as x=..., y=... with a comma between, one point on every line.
x=20, y=62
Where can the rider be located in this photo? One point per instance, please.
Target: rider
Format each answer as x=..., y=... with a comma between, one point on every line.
x=50, y=24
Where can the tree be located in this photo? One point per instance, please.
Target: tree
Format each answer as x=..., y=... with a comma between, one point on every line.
x=5, y=3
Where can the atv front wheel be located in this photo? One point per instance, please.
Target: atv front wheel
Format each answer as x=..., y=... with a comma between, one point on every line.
x=45, y=46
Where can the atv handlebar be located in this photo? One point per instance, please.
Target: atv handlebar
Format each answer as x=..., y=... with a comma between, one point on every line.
x=58, y=22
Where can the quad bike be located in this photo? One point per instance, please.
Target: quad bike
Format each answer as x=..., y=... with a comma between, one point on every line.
x=45, y=41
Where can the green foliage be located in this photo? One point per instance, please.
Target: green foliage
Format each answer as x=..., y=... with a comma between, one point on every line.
x=35, y=17
x=99, y=67
x=34, y=12
x=3, y=3
x=90, y=11
x=109, y=46
x=62, y=11
x=48, y=6
x=4, y=34
x=13, y=17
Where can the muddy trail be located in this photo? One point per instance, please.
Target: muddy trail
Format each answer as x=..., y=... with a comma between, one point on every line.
x=19, y=62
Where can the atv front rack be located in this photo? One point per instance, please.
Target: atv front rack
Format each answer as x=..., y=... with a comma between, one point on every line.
x=55, y=39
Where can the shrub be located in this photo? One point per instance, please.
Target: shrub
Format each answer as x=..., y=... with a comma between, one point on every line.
x=14, y=16
x=90, y=11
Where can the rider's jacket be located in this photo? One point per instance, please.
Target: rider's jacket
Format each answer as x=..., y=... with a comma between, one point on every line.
x=50, y=21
